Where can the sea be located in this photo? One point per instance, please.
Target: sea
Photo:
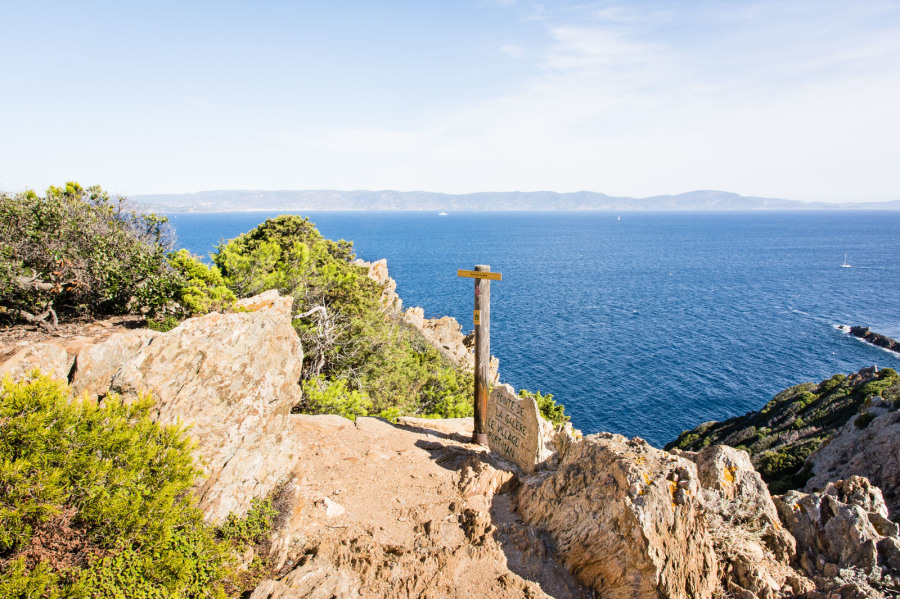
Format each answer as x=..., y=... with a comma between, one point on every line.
x=641, y=323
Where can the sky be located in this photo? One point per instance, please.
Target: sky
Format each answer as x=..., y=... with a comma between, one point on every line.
x=788, y=99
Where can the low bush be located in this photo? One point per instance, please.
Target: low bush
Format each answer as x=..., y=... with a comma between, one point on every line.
x=80, y=251
x=94, y=501
x=550, y=410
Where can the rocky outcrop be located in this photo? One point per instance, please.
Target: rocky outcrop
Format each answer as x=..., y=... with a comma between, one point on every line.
x=626, y=519
x=844, y=529
x=870, y=451
x=877, y=339
x=752, y=547
x=446, y=335
x=233, y=379
x=378, y=272
x=51, y=358
x=97, y=363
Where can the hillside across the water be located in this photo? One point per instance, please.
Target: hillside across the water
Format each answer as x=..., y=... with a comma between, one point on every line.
x=299, y=200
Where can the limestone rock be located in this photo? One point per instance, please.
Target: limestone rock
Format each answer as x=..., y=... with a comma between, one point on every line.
x=626, y=519
x=233, y=378
x=445, y=334
x=871, y=452
x=836, y=525
x=753, y=548
x=97, y=363
x=378, y=272
x=50, y=358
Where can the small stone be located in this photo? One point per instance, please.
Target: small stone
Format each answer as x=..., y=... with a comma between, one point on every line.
x=831, y=570
x=332, y=509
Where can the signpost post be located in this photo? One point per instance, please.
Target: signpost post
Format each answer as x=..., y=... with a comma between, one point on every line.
x=482, y=319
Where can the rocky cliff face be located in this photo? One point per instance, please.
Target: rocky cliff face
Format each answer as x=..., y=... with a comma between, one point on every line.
x=232, y=378
x=627, y=519
x=444, y=333
x=866, y=447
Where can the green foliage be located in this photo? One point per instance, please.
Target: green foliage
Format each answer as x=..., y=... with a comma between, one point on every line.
x=794, y=423
x=202, y=288
x=832, y=383
x=111, y=474
x=19, y=580
x=321, y=396
x=359, y=360
x=251, y=529
x=78, y=251
x=163, y=324
x=550, y=410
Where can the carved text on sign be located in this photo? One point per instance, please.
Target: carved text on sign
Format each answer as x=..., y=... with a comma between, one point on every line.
x=513, y=428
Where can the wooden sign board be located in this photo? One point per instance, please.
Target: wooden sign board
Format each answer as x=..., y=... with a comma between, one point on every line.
x=514, y=428
x=475, y=274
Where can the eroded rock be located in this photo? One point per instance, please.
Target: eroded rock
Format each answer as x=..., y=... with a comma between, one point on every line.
x=626, y=519
x=97, y=363
x=233, y=379
x=753, y=548
x=48, y=357
x=870, y=452
x=835, y=526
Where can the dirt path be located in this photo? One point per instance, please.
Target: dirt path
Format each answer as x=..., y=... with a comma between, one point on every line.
x=412, y=510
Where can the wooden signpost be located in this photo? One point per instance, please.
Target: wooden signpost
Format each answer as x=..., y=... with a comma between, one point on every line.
x=482, y=319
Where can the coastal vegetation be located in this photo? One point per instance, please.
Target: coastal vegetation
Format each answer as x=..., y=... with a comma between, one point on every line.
x=797, y=421
x=76, y=252
x=94, y=503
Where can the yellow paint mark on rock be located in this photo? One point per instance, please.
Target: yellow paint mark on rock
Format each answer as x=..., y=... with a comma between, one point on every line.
x=728, y=474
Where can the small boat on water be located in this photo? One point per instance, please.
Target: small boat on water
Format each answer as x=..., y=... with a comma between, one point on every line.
x=845, y=264
x=442, y=214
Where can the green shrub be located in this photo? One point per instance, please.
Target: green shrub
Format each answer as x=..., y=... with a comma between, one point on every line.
x=111, y=473
x=832, y=383
x=321, y=396
x=80, y=251
x=550, y=410
x=251, y=529
x=202, y=288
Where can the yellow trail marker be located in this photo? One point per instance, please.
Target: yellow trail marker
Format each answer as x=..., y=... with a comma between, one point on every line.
x=476, y=274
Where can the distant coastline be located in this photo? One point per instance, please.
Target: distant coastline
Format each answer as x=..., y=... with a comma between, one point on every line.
x=295, y=201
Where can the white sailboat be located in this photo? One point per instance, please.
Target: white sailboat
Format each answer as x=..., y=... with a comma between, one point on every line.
x=845, y=264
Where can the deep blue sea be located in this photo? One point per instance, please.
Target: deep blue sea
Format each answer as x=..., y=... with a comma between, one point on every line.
x=641, y=323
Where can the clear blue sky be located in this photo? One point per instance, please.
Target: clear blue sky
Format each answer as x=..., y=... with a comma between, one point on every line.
x=798, y=100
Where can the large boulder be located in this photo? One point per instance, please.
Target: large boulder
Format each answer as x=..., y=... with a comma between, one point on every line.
x=842, y=527
x=233, y=379
x=871, y=451
x=626, y=518
x=753, y=548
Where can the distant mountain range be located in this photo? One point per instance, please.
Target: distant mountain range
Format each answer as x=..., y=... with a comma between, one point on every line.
x=294, y=201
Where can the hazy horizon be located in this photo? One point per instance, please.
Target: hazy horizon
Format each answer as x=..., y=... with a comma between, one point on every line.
x=640, y=98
